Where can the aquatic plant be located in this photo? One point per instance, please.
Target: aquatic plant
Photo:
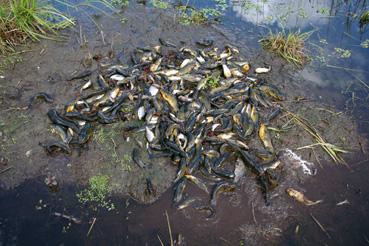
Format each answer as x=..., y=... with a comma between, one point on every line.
x=365, y=44
x=364, y=18
x=159, y=4
x=22, y=19
x=192, y=16
x=97, y=192
x=342, y=52
x=290, y=47
x=122, y=3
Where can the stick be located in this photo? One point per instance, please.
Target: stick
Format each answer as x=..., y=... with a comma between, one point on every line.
x=169, y=229
x=253, y=212
x=320, y=225
x=161, y=242
x=92, y=225
x=6, y=169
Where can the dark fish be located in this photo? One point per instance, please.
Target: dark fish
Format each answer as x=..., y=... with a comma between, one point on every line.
x=218, y=188
x=178, y=190
x=85, y=133
x=136, y=157
x=80, y=75
x=40, y=95
x=56, y=146
x=166, y=43
x=57, y=119
x=205, y=42
x=150, y=190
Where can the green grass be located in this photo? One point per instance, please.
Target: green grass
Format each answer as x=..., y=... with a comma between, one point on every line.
x=290, y=47
x=23, y=19
x=97, y=192
x=212, y=82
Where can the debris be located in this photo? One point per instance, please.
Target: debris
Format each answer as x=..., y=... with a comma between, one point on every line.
x=343, y=203
x=320, y=226
x=68, y=217
x=92, y=225
x=300, y=197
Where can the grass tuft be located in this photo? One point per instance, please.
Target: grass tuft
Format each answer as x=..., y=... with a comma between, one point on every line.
x=290, y=47
x=23, y=19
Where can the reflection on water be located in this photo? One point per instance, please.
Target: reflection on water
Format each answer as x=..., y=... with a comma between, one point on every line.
x=337, y=43
x=287, y=13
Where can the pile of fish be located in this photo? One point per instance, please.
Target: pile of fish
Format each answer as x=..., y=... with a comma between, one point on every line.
x=200, y=107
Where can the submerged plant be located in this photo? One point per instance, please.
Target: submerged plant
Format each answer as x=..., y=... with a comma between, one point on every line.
x=290, y=47
x=97, y=192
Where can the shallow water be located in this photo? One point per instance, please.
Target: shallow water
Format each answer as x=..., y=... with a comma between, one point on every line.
x=242, y=218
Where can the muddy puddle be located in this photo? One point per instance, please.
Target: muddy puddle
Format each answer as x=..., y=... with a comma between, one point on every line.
x=327, y=93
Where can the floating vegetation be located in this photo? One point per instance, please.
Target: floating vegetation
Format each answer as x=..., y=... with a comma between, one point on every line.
x=97, y=192
x=121, y=3
x=290, y=47
x=342, y=52
x=324, y=11
x=364, y=18
x=159, y=4
x=365, y=44
x=191, y=16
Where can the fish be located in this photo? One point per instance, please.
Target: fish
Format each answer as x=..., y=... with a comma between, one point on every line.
x=117, y=77
x=141, y=112
x=218, y=188
x=178, y=190
x=40, y=95
x=226, y=72
x=197, y=182
x=185, y=203
x=170, y=99
x=166, y=43
x=80, y=75
x=136, y=157
x=260, y=70
x=239, y=171
x=300, y=197
x=154, y=67
x=153, y=90
x=150, y=136
x=57, y=119
x=265, y=138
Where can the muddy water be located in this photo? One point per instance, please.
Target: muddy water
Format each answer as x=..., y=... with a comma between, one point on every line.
x=27, y=207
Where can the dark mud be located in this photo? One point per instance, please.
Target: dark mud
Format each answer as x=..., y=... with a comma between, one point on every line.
x=27, y=206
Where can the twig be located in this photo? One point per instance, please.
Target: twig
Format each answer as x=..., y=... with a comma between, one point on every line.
x=68, y=217
x=6, y=169
x=169, y=229
x=253, y=212
x=161, y=242
x=320, y=225
x=92, y=225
